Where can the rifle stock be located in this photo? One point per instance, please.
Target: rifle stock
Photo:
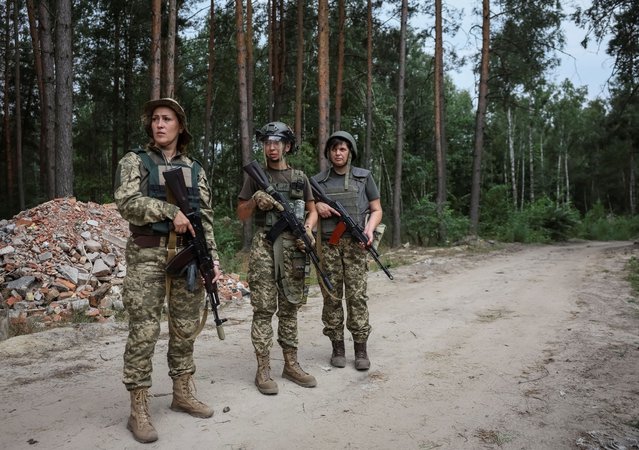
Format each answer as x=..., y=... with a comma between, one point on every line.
x=347, y=223
x=197, y=248
x=255, y=171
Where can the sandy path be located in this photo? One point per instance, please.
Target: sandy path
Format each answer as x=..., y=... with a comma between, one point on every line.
x=532, y=347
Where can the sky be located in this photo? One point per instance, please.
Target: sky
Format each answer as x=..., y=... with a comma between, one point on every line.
x=590, y=67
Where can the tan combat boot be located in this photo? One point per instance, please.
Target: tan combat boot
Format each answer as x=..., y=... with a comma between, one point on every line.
x=361, y=358
x=263, y=380
x=293, y=371
x=184, y=401
x=338, y=358
x=140, y=421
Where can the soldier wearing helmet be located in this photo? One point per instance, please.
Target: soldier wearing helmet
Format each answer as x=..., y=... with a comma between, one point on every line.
x=344, y=259
x=278, y=272
x=157, y=226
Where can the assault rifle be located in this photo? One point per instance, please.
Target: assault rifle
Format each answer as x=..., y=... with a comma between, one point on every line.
x=346, y=223
x=197, y=251
x=287, y=219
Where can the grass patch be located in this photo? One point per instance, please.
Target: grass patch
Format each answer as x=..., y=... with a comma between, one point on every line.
x=632, y=267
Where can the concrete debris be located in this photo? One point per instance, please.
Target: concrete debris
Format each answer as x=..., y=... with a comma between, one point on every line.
x=66, y=257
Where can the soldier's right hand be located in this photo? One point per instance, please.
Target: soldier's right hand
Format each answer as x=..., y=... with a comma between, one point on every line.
x=266, y=202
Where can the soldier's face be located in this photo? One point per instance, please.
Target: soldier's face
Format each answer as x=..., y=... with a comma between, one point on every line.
x=274, y=150
x=166, y=127
x=338, y=154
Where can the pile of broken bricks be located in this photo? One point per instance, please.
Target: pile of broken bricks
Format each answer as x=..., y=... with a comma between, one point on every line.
x=65, y=258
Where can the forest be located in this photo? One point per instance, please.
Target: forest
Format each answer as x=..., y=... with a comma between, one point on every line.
x=517, y=158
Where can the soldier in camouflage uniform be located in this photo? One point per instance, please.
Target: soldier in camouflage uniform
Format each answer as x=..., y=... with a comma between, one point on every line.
x=346, y=260
x=141, y=198
x=277, y=271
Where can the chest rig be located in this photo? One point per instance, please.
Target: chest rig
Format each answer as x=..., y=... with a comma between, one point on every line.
x=152, y=185
x=290, y=191
x=348, y=196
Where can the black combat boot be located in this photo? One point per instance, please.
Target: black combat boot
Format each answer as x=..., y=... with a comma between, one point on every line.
x=361, y=358
x=338, y=358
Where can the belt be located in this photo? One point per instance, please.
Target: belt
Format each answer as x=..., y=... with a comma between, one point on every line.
x=156, y=240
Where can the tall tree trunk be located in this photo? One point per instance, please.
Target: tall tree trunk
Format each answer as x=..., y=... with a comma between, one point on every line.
x=567, y=178
x=369, y=86
x=156, y=51
x=250, y=68
x=631, y=185
x=37, y=59
x=6, y=122
x=64, y=100
x=511, y=153
x=322, y=81
x=48, y=96
x=19, y=168
x=270, y=7
x=208, y=113
x=115, y=102
x=397, y=189
x=339, y=81
x=531, y=162
x=299, y=71
x=169, y=63
x=480, y=120
x=440, y=149
x=241, y=75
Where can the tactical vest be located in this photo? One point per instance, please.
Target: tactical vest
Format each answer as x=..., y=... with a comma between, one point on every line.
x=290, y=192
x=349, y=198
x=155, y=188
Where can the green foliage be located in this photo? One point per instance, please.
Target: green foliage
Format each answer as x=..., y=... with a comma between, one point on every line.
x=541, y=221
x=229, y=241
x=632, y=267
x=423, y=225
x=600, y=226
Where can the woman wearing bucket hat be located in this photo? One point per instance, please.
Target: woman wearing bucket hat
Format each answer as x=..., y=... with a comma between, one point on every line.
x=157, y=229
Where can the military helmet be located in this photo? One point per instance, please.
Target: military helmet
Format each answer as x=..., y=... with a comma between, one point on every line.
x=341, y=136
x=149, y=107
x=277, y=131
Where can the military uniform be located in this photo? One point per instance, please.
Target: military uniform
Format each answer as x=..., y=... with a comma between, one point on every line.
x=284, y=289
x=141, y=200
x=278, y=269
x=346, y=262
x=342, y=257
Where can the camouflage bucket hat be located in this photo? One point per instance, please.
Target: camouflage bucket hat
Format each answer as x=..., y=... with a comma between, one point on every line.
x=149, y=107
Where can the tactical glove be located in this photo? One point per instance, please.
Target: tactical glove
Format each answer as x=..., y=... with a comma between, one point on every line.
x=266, y=202
x=299, y=243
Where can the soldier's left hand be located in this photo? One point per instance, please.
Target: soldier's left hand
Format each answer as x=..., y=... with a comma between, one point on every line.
x=300, y=243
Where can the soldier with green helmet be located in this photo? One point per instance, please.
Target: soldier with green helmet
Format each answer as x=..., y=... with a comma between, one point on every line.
x=157, y=230
x=343, y=258
x=278, y=271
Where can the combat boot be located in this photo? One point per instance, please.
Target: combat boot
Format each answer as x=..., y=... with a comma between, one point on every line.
x=140, y=421
x=293, y=372
x=361, y=358
x=265, y=384
x=338, y=358
x=185, y=401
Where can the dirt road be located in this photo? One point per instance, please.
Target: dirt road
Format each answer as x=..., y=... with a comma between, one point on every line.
x=533, y=347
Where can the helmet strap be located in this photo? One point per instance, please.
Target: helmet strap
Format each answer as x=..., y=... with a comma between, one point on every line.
x=348, y=171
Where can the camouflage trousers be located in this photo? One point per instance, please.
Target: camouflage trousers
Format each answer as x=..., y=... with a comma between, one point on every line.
x=143, y=297
x=268, y=299
x=346, y=265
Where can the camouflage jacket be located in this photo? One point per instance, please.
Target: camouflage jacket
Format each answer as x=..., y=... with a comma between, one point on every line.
x=136, y=207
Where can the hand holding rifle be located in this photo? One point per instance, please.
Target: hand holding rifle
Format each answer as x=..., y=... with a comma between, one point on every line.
x=346, y=223
x=197, y=251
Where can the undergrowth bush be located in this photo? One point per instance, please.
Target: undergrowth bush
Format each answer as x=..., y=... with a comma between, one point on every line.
x=424, y=226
